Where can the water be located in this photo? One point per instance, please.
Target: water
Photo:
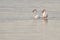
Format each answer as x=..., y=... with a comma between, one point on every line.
x=16, y=22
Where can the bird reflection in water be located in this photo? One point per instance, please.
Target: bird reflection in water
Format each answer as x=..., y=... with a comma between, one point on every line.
x=35, y=22
x=44, y=22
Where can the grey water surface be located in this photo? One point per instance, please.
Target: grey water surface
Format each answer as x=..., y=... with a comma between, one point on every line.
x=17, y=23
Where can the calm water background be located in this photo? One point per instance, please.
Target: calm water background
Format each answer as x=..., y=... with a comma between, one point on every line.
x=16, y=22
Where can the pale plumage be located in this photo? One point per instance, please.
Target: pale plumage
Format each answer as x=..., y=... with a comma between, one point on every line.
x=44, y=14
x=35, y=15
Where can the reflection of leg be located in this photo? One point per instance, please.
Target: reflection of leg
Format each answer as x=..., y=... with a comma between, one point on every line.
x=45, y=20
x=35, y=21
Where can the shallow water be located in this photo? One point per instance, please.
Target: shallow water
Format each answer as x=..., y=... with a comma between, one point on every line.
x=30, y=30
x=16, y=22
